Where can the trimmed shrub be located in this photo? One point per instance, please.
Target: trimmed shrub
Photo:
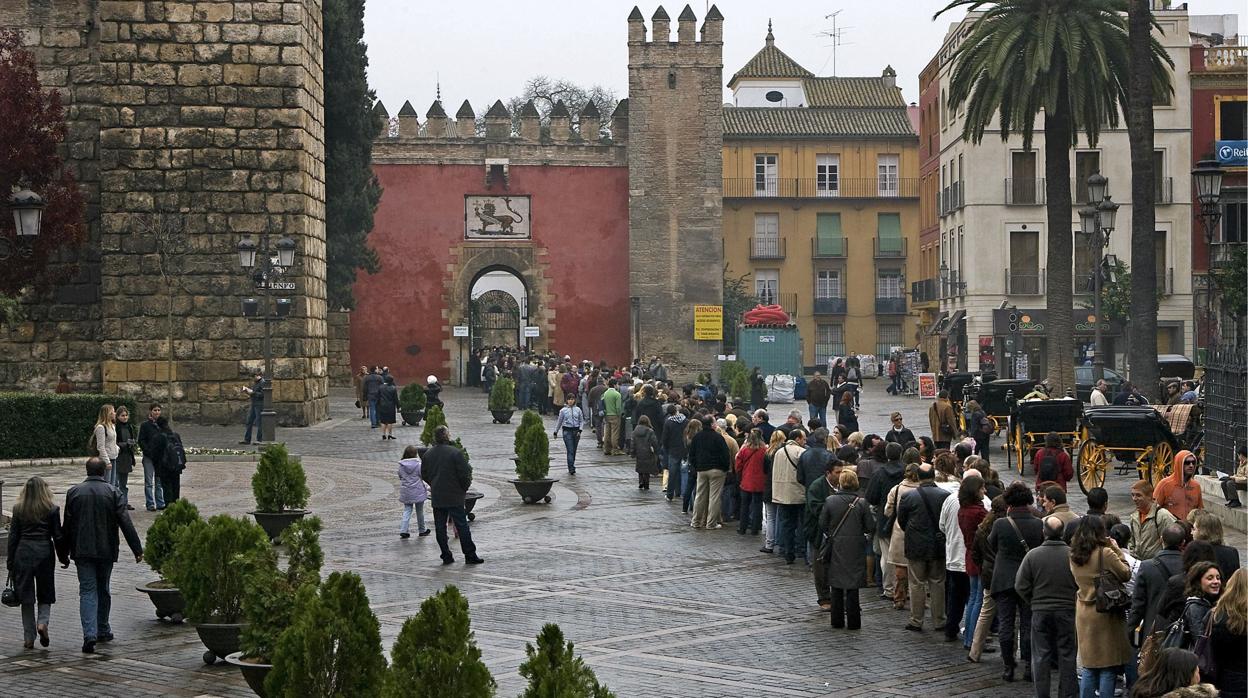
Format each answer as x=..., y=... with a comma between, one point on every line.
x=48, y=425
x=736, y=378
x=460, y=445
x=162, y=535
x=279, y=483
x=333, y=644
x=532, y=448
x=207, y=568
x=412, y=398
x=554, y=670
x=503, y=395
x=435, y=654
x=434, y=418
x=269, y=594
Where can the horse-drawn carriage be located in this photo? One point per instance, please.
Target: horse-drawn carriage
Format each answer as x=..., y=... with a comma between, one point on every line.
x=997, y=399
x=1132, y=436
x=1035, y=419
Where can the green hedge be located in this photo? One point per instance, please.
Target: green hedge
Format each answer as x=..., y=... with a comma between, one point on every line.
x=48, y=425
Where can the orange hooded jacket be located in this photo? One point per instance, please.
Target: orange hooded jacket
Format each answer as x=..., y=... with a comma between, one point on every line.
x=1176, y=496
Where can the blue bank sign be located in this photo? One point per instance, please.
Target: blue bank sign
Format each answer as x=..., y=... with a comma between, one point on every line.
x=1233, y=153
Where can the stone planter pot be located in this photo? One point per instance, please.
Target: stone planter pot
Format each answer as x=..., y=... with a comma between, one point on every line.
x=167, y=599
x=412, y=418
x=221, y=639
x=534, y=491
x=274, y=522
x=254, y=672
x=502, y=416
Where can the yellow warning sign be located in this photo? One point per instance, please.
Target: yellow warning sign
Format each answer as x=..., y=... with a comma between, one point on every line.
x=708, y=322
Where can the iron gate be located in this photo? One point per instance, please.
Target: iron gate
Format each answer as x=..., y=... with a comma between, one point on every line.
x=1226, y=384
x=494, y=320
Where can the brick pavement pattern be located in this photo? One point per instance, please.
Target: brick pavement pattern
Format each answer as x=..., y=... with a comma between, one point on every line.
x=657, y=609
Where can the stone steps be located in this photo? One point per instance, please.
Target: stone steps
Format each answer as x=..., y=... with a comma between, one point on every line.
x=1211, y=494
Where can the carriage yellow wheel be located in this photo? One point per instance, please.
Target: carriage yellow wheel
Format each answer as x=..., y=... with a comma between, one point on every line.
x=1161, y=463
x=1021, y=449
x=1093, y=465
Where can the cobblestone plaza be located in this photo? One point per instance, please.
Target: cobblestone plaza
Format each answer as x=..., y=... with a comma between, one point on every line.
x=657, y=609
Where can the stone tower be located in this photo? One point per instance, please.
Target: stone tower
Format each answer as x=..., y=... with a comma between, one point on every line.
x=675, y=172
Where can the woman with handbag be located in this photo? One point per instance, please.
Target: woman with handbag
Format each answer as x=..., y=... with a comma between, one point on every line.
x=1099, y=570
x=1203, y=586
x=1227, y=637
x=35, y=541
x=127, y=437
x=846, y=522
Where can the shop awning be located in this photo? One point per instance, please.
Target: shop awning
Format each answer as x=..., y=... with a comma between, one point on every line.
x=937, y=324
x=953, y=323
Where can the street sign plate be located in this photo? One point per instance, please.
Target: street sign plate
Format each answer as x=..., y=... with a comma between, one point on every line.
x=532, y=331
x=460, y=331
x=277, y=285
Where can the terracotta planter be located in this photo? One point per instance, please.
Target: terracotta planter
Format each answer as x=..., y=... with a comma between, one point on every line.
x=534, y=491
x=221, y=639
x=274, y=522
x=254, y=672
x=502, y=416
x=167, y=599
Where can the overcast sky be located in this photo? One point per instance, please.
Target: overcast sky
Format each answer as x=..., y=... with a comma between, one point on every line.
x=485, y=50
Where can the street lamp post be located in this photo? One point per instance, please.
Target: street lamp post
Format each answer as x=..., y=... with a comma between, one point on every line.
x=1097, y=221
x=267, y=267
x=1208, y=178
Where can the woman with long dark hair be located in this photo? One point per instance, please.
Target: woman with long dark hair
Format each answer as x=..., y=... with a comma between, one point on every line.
x=1102, y=637
x=845, y=414
x=35, y=541
x=127, y=437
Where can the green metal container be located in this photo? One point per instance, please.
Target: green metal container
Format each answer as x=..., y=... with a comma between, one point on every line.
x=774, y=350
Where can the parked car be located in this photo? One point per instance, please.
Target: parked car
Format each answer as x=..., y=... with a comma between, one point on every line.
x=1084, y=382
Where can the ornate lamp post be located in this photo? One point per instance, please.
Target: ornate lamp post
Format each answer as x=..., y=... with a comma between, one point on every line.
x=27, y=208
x=267, y=265
x=1208, y=178
x=1097, y=221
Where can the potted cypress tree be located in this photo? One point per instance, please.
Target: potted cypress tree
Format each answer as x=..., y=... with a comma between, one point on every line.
x=553, y=669
x=435, y=654
x=157, y=549
x=434, y=418
x=269, y=597
x=532, y=460
x=207, y=566
x=333, y=644
x=412, y=404
x=281, y=490
x=503, y=400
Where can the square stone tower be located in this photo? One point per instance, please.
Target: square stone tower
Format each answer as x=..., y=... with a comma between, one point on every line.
x=675, y=173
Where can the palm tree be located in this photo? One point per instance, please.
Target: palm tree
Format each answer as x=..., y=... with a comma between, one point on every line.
x=1146, y=81
x=1067, y=59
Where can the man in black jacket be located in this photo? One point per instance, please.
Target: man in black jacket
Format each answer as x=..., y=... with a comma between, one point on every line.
x=94, y=511
x=1045, y=583
x=1150, y=583
x=708, y=455
x=900, y=433
x=672, y=446
x=887, y=476
x=918, y=514
x=371, y=387
x=449, y=477
x=814, y=461
x=149, y=433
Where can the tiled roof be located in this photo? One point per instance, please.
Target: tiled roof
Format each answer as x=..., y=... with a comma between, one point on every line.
x=771, y=62
x=799, y=122
x=851, y=92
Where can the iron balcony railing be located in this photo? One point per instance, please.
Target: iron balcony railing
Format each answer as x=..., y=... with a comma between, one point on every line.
x=1024, y=192
x=890, y=306
x=1222, y=254
x=957, y=196
x=889, y=247
x=812, y=188
x=767, y=248
x=1024, y=283
x=925, y=291
x=830, y=306
x=788, y=301
x=829, y=248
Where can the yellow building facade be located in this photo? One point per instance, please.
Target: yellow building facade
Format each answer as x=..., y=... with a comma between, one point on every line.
x=821, y=203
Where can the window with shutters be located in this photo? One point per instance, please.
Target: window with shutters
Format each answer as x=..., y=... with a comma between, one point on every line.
x=828, y=284
x=765, y=171
x=827, y=175
x=829, y=240
x=767, y=286
x=886, y=169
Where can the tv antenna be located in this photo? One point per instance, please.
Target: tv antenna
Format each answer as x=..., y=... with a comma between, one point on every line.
x=837, y=35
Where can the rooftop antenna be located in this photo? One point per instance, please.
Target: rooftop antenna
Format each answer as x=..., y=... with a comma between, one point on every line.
x=837, y=35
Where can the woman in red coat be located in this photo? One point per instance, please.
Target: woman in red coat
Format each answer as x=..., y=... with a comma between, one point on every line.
x=1052, y=463
x=752, y=481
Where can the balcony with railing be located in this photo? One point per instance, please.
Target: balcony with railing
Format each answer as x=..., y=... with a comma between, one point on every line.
x=829, y=248
x=811, y=188
x=830, y=306
x=1024, y=191
x=895, y=305
x=890, y=248
x=1226, y=58
x=1082, y=284
x=944, y=202
x=957, y=196
x=1222, y=254
x=767, y=248
x=953, y=286
x=925, y=291
x=788, y=301
x=1024, y=283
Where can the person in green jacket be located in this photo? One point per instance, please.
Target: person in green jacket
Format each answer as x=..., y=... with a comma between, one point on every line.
x=612, y=410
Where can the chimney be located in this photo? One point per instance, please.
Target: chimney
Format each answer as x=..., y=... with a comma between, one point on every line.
x=636, y=27
x=661, y=32
x=498, y=122
x=590, y=122
x=889, y=77
x=687, y=26
x=713, y=27
x=465, y=121
x=619, y=122
x=409, y=121
x=435, y=120
x=383, y=119
x=560, y=123
x=530, y=122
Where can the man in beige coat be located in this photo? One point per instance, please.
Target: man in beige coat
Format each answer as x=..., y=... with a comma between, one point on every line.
x=788, y=496
x=943, y=420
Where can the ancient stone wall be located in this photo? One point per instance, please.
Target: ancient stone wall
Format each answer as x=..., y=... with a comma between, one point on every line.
x=340, y=369
x=675, y=155
x=210, y=127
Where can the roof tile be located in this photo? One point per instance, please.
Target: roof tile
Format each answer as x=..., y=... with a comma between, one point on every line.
x=851, y=92
x=798, y=122
x=771, y=62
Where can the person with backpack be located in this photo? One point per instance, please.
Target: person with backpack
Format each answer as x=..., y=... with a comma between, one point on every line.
x=1052, y=463
x=981, y=429
x=170, y=460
